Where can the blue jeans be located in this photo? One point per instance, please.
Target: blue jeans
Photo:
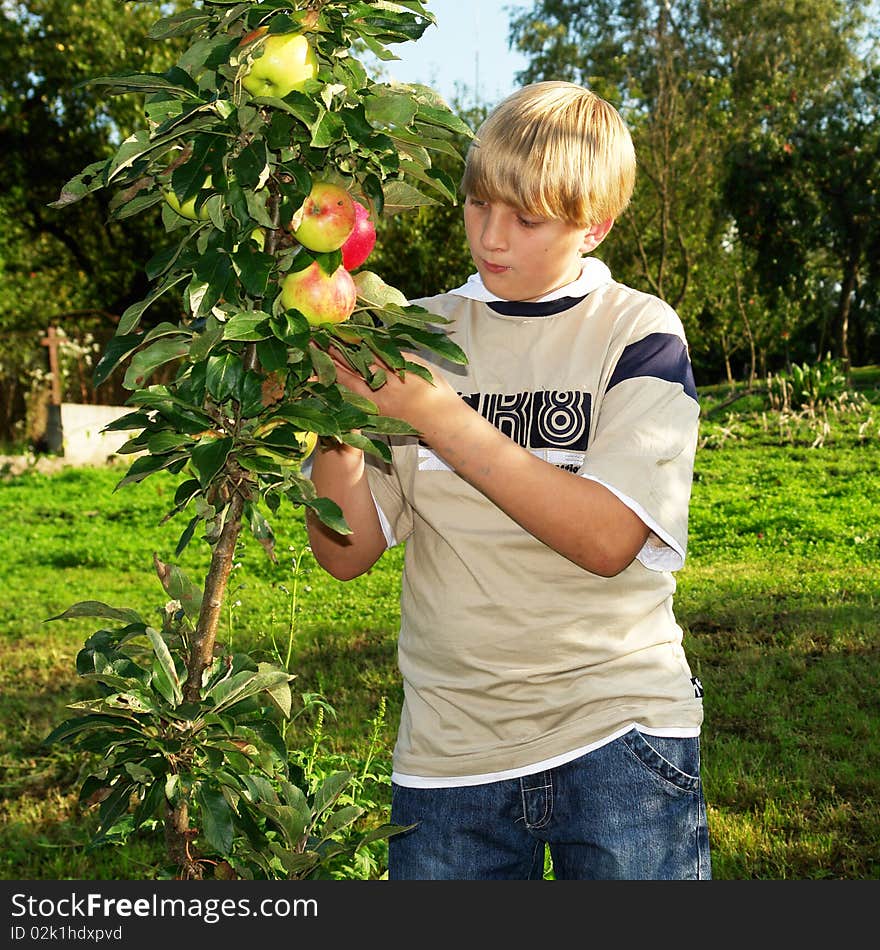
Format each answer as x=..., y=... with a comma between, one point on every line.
x=630, y=810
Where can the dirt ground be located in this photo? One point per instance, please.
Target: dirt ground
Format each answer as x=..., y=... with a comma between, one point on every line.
x=12, y=465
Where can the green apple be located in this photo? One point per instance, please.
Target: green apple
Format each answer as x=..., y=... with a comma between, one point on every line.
x=188, y=208
x=320, y=297
x=326, y=219
x=285, y=62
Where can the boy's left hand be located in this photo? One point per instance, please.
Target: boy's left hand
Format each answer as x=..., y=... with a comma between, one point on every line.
x=412, y=398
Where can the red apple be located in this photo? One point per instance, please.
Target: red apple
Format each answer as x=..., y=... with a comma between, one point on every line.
x=326, y=218
x=360, y=243
x=320, y=297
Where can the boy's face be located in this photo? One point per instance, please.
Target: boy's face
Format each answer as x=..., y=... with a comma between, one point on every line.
x=520, y=256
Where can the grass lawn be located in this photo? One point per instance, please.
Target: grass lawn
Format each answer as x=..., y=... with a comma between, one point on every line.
x=778, y=600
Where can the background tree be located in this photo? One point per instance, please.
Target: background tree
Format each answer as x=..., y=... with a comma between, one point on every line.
x=808, y=201
x=693, y=78
x=85, y=265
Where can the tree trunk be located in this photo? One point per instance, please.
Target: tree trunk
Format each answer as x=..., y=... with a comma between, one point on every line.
x=235, y=491
x=847, y=290
x=177, y=839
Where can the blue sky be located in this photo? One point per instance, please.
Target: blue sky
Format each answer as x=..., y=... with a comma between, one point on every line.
x=465, y=53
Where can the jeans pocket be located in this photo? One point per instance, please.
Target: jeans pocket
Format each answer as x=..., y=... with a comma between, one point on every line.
x=673, y=760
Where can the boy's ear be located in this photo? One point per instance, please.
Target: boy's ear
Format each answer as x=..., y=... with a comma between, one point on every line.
x=595, y=235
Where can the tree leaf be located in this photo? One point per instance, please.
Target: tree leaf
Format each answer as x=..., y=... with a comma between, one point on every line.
x=209, y=456
x=95, y=608
x=177, y=584
x=172, y=691
x=132, y=315
x=329, y=512
x=248, y=325
x=174, y=81
x=147, y=361
x=223, y=376
x=215, y=818
x=245, y=684
x=148, y=465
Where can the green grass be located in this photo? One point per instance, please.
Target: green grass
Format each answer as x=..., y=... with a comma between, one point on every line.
x=778, y=601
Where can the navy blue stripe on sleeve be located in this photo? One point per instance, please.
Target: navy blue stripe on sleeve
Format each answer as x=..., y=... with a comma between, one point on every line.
x=661, y=355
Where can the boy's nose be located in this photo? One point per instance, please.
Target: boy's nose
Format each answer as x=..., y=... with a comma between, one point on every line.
x=494, y=236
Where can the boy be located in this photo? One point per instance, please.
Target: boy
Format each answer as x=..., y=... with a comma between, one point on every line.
x=547, y=698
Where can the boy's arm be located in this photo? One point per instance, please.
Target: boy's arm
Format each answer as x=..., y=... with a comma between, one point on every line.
x=339, y=473
x=577, y=517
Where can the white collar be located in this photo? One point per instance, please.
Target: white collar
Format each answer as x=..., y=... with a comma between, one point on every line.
x=594, y=273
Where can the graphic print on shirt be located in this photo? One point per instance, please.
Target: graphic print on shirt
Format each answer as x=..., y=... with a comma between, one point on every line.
x=554, y=425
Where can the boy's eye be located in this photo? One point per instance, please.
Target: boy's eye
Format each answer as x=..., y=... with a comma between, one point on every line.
x=476, y=202
x=527, y=223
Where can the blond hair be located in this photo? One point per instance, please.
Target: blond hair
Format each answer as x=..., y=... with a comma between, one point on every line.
x=554, y=150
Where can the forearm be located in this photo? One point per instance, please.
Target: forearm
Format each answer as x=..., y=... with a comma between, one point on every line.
x=339, y=473
x=577, y=517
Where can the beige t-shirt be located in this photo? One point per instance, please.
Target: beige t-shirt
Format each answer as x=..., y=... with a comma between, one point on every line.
x=510, y=654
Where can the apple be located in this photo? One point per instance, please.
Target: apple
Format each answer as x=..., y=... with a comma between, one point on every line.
x=326, y=218
x=320, y=297
x=188, y=208
x=360, y=243
x=287, y=63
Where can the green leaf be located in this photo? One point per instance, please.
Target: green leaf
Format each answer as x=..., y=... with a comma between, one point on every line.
x=209, y=456
x=260, y=529
x=389, y=108
x=116, y=804
x=131, y=317
x=386, y=425
x=90, y=179
x=254, y=269
x=250, y=394
x=203, y=343
x=242, y=685
x=325, y=368
x=399, y=196
x=147, y=361
x=272, y=354
x=215, y=819
x=95, y=608
x=341, y=819
x=223, y=376
x=152, y=804
x=179, y=24
x=174, y=81
x=373, y=292
x=72, y=727
x=211, y=277
x=250, y=166
x=292, y=328
x=443, y=118
x=177, y=584
x=148, y=465
x=328, y=129
x=166, y=665
x=249, y=325
x=308, y=417
x=281, y=698
x=329, y=791
x=330, y=514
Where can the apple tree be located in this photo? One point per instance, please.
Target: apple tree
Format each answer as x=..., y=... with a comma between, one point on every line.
x=265, y=146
